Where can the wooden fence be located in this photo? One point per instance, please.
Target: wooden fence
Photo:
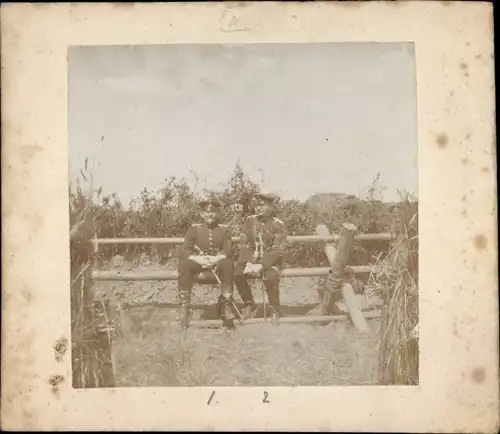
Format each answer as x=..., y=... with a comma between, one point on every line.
x=336, y=248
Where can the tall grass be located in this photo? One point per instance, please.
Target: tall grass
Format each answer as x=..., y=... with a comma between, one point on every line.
x=397, y=282
x=90, y=325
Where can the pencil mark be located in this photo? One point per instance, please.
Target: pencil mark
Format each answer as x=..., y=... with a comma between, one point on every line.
x=211, y=397
x=265, y=400
x=244, y=29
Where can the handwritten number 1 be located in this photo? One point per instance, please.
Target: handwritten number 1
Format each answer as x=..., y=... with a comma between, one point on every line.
x=265, y=398
x=210, y=399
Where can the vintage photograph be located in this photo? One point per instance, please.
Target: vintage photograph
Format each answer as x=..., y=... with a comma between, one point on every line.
x=243, y=214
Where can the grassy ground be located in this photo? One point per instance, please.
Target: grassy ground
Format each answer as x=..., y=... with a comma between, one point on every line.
x=152, y=351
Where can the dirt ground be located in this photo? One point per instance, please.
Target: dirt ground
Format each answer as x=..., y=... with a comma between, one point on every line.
x=150, y=350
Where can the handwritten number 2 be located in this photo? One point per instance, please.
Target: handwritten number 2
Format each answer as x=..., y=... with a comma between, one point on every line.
x=265, y=398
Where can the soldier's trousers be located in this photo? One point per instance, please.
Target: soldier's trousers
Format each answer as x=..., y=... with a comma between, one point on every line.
x=271, y=280
x=188, y=271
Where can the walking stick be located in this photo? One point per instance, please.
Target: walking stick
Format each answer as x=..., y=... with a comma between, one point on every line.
x=259, y=253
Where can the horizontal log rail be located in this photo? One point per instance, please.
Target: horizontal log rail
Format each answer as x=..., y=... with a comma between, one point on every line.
x=305, y=307
x=383, y=236
x=209, y=278
x=290, y=320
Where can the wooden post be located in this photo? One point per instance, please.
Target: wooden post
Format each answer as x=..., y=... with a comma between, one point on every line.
x=335, y=282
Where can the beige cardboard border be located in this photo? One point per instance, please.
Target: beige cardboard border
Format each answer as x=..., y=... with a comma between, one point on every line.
x=457, y=191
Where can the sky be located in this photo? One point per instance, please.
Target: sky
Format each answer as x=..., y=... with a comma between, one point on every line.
x=299, y=118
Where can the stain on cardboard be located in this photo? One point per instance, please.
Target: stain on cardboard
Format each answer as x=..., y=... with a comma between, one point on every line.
x=55, y=381
x=60, y=348
x=26, y=295
x=29, y=151
x=464, y=160
x=442, y=140
x=480, y=241
x=464, y=67
x=478, y=375
x=485, y=169
x=35, y=221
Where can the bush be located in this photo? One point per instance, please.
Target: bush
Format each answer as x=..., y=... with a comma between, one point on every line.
x=169, y=211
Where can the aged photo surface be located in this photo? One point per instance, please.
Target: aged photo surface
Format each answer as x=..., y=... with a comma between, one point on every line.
x=249, y=215
x=243, y=214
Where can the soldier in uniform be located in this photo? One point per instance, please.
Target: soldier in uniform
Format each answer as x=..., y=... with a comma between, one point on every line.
x=207, y=246
x=262, y=249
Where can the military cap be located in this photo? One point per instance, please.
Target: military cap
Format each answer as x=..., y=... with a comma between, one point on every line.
x=209, y=203
x=267, y=196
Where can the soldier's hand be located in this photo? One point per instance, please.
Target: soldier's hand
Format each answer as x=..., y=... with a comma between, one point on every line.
x=248, y=269
x=253, y=269
x=258, y=268
x=209, y=261
x=200, y=260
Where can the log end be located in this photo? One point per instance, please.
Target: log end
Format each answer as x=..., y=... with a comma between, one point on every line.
x=351, y=227
x=322, y=230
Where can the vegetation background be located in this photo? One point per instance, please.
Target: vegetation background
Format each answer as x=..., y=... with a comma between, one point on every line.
x=147, y=352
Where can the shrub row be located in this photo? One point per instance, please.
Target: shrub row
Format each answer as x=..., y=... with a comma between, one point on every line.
x=170, y=211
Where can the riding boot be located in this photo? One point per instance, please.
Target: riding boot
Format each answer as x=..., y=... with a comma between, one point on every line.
x=273, y=295
x=245, y=292
x=184, y=316
x=249, y=311
x=226, y=312
x=184, y=310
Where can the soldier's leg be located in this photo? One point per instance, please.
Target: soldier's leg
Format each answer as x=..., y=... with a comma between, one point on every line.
x=272, y=282
x=188, y=270
x=241, y=282
x=225, y=271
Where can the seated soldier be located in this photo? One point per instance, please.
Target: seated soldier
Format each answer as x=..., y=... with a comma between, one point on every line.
x=262, y=249
x=207, y=246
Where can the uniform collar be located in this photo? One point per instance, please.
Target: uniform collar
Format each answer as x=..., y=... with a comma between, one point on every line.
x=212, y=226
x=264, y=219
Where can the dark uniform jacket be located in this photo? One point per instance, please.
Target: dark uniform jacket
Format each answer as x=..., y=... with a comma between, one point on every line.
x=211, y=240
x=263, y=241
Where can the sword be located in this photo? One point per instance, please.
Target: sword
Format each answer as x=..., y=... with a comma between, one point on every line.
x=212, y=269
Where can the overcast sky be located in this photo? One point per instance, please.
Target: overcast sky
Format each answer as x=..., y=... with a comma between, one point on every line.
x=309, y=117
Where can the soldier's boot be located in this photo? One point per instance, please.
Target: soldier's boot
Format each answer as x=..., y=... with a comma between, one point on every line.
x=184, y=311
x=183, y=318
x=273, y=296
x=249, y=311
x=226, y=311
